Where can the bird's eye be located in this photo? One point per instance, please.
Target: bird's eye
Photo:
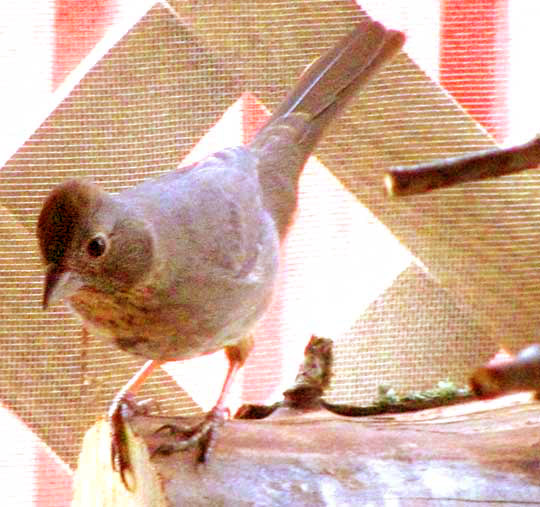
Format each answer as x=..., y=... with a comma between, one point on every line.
x=96, y=246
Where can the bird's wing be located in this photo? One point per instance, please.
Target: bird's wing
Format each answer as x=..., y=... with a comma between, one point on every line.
x=210, y=211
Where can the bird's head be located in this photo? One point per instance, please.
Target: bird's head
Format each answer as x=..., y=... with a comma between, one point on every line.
x=88, y=238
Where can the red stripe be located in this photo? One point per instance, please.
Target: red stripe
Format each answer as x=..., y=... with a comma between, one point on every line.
x=53, y=485
x=261, y=374
x=253, y=116
x=474, y=59
x=78, y=25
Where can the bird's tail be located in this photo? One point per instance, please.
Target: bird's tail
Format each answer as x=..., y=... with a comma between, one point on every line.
x=322, y=92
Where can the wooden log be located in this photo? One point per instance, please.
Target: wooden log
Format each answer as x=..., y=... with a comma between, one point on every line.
x=483, y=452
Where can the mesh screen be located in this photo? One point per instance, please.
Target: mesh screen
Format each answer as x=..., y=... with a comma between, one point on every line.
x=413, y=291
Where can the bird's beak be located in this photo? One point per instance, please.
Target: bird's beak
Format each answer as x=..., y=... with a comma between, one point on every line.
x=59, y=284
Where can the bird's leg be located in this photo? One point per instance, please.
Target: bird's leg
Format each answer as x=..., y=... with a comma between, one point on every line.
x=203, y=435
x=124, y=398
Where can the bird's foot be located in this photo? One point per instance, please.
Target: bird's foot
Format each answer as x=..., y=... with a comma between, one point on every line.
x=202, y=435
x=123, y=408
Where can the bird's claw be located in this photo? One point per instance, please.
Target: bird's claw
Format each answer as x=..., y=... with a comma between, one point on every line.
x=122, y=408
x=119, y=448
x=201, y=435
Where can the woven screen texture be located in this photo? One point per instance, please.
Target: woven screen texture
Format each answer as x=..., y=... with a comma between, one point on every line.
x=412, y=291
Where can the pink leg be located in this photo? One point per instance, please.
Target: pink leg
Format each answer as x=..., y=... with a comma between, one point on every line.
x=203, y=434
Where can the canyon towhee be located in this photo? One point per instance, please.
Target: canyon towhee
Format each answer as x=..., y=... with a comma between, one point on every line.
x=184, y=264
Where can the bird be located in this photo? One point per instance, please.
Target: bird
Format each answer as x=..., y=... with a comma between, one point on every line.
x=185, y=264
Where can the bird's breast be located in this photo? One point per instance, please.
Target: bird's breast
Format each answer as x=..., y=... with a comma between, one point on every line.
x=186, y=320
x=137, y=323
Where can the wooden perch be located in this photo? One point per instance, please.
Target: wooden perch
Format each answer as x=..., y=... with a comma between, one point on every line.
x=302, y=454
x=482, y=452
x=452, y=171
x=521, y=373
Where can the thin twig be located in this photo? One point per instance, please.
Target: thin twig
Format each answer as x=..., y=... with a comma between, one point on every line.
x=452, y=171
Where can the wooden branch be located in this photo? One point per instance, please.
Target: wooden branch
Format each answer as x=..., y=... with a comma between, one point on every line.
x=521, y=373
x=483, y=451
x=452, y=171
